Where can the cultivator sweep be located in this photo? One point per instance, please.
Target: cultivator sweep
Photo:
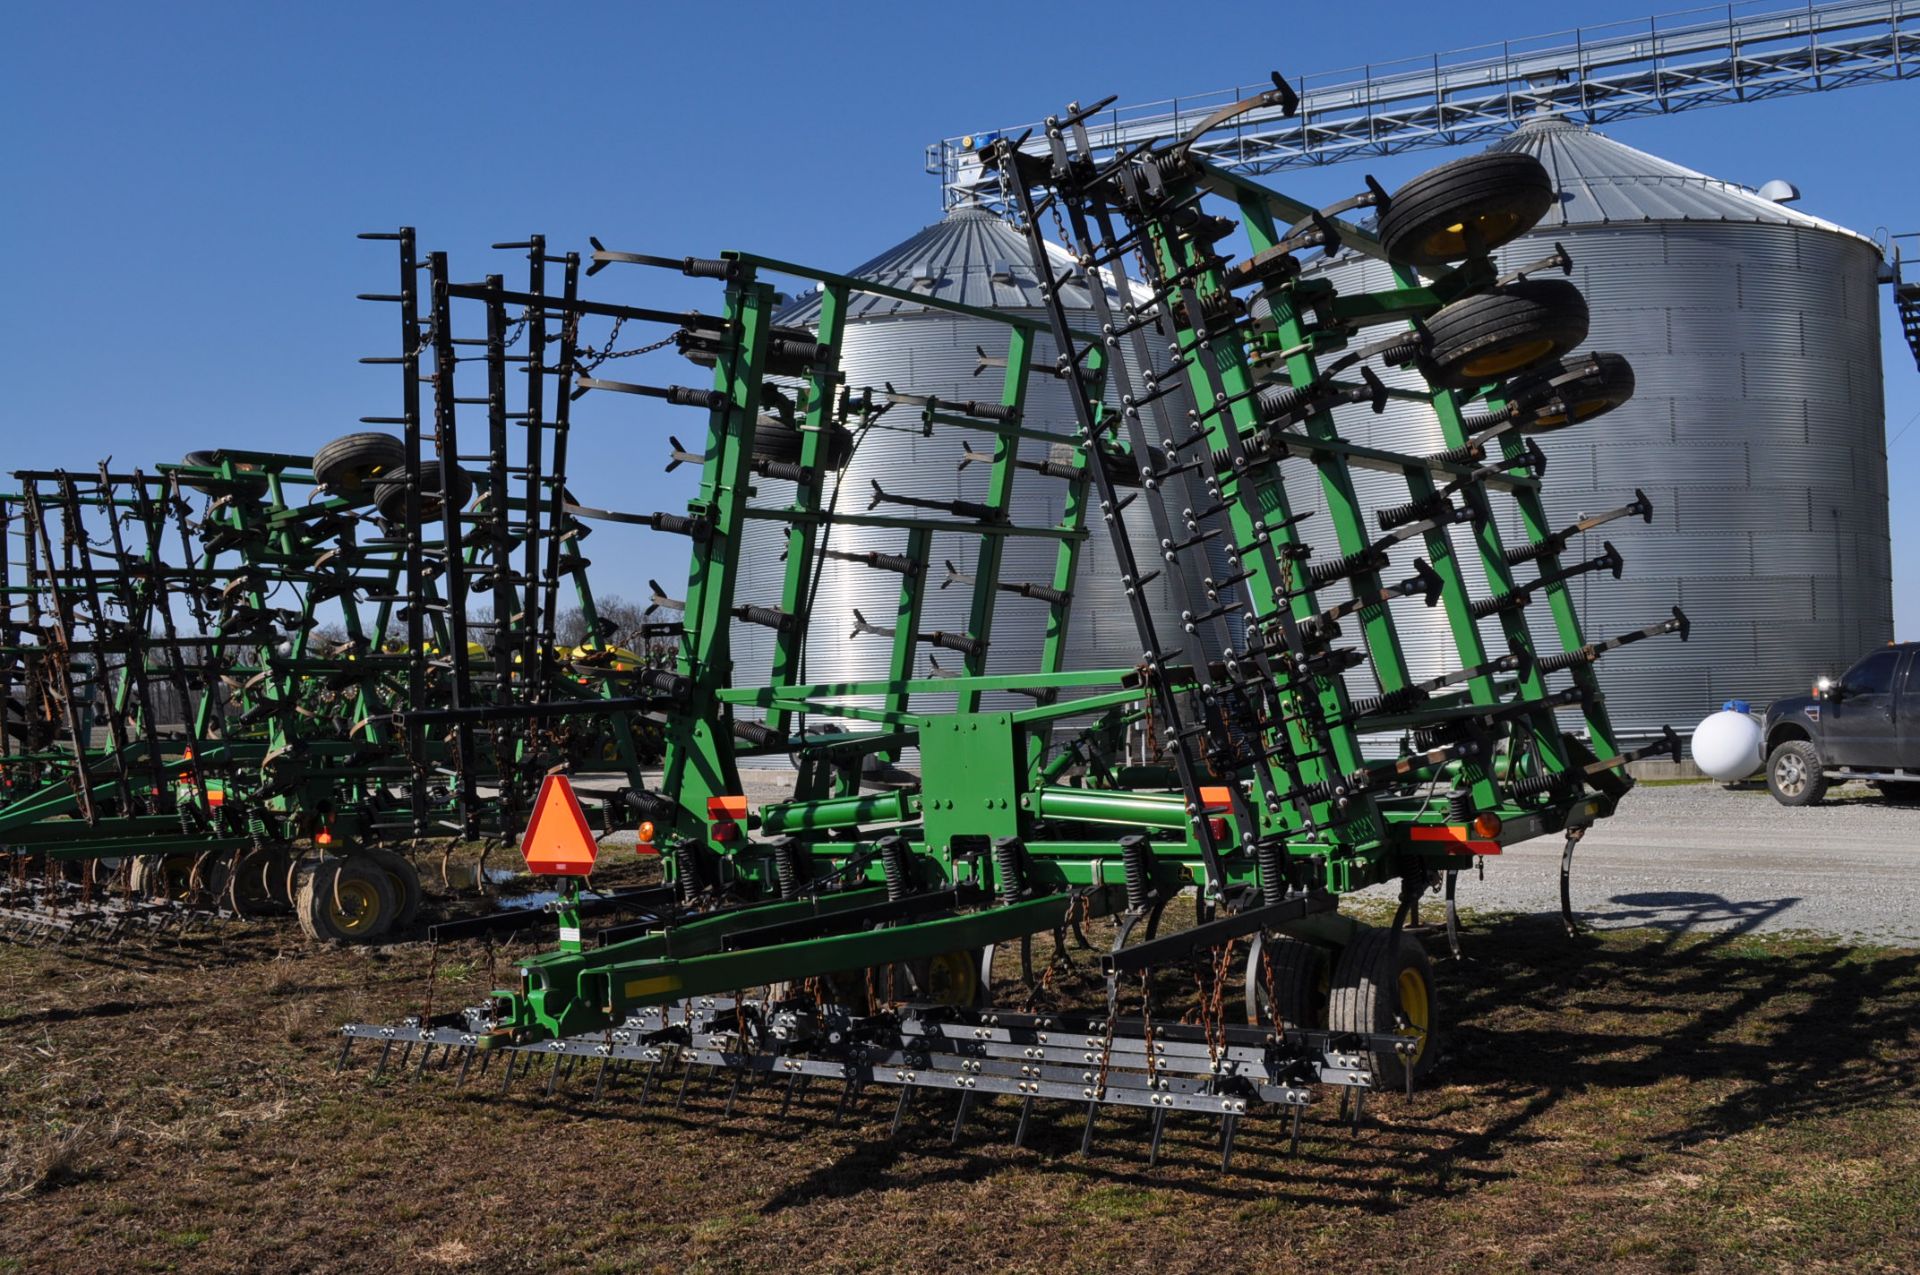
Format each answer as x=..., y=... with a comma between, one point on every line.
x=937, y=823
x=252, y=679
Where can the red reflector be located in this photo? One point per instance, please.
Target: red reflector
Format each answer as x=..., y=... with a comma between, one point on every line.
x=1218, y=829
x=323, y=838
x=725, y=830
x=1461, y=839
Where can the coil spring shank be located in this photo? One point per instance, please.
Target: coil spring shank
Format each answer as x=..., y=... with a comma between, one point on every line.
x=893, y=861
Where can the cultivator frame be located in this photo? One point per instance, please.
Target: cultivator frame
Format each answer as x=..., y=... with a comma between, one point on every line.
x=873, y=918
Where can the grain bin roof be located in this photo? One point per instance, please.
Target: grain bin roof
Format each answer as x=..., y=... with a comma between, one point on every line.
x=1604, y=182
x=970, y=256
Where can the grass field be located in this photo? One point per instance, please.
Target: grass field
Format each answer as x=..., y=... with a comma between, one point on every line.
x=1639, y=1101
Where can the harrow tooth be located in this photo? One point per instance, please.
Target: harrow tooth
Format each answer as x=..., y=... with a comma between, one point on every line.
x=900, y=1110
x=960, y=1116
x=506, y=1072
x=686, y=1084
x=786, y=1102
x=386, y=1051
x=1026, y=1115
x=466, y=1064
x=646, y=1085
x=846, y=1101
x=1159, y=1126
x=1086, y=1135
x=1229, y=1126
x=1293, y=1137
x=733, y=1092
x=600, y=1079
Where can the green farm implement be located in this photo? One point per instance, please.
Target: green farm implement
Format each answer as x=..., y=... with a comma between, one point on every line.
x=859, y=929
x=252, y=681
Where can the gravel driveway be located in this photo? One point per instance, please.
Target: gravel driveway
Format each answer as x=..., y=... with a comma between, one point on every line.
x=1700, y=856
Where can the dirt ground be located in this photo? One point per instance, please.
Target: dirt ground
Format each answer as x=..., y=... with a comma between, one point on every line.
x=1639, y=1100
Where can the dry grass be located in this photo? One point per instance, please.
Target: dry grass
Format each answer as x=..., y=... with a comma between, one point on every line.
x=1637, y=1102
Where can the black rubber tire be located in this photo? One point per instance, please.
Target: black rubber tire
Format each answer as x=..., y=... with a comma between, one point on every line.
x=390, y=497
x=1301, y=974
x=1494, y=334
x=362, y=887
x=1366, y=997
x=349, y=467
x=1606, y=387
x=167, y=878
x=405, y=878
x=205, y=460
x=775, y=440
x=1497, y=195
x=1795, y=775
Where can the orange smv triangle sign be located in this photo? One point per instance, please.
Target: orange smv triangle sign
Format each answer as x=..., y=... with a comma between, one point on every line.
x=557, y=841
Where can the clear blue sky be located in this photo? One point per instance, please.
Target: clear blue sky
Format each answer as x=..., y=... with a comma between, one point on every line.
x=183, y=183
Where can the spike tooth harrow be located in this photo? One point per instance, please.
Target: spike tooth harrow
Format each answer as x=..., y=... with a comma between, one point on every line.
x=1263, y=796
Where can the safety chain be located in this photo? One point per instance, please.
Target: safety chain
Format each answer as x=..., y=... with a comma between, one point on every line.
x=1106, y=1044
x=590, y=358
x=1213, y=1016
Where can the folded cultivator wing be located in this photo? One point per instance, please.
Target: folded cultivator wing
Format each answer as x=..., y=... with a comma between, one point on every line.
x=251, y=680
x=850, y=932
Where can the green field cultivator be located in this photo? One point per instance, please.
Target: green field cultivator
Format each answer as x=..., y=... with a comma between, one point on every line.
x=252, y=681
x=849, y=932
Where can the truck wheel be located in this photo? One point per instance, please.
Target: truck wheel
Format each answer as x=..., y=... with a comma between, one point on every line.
x=1793, y=774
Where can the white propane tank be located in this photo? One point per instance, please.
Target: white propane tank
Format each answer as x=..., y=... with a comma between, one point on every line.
x=1727, y=744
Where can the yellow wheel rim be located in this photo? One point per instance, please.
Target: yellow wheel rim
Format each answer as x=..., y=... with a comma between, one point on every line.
x=1416, y=1006
x=1497, y=361
x=1558, y=420
x=1494, y=228
x=953, y=979
x=354, y=906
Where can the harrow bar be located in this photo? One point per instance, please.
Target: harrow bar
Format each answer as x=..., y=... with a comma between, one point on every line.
x=1083, y=1060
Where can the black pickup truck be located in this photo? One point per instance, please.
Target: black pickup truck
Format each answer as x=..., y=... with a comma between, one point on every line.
x=1864, y=724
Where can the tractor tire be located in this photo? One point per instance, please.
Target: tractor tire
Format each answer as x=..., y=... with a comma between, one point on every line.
x=1469, y=206
x=405, y=879
x=1293, y=972
x=1384, y=987
x=343, y=901
x=350, y=467
x=1609, y=385
x=1493, y=334
x=390, y=497
x=206, y=460
x=1794, y=774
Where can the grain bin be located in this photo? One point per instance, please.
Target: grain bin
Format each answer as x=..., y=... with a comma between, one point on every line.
x=1757, y=429
x=972, y=257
